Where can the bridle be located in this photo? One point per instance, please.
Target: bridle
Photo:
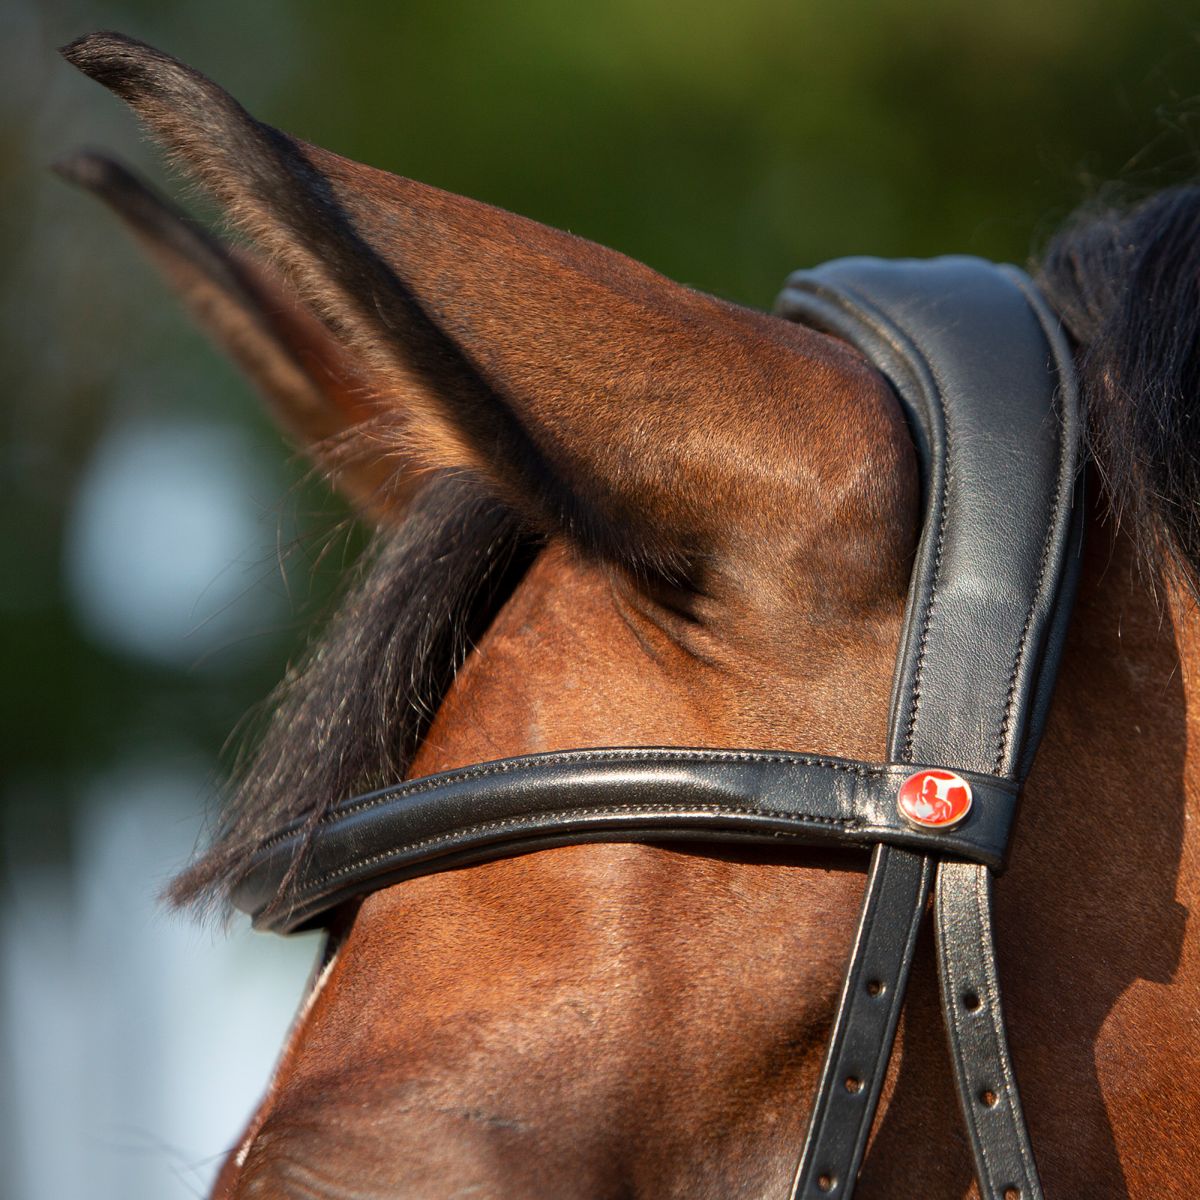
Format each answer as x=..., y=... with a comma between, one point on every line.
x=987, y=383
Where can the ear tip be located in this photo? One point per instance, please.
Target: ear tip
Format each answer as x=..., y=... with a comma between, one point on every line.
x=103, y=50
x=91, y=170
x=132, y=199
x=79, y=50
x=121, y=63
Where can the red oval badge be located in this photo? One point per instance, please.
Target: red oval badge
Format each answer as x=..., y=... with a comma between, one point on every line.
x=934, y=799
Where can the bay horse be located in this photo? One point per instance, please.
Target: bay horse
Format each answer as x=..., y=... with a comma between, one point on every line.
x=614, y=511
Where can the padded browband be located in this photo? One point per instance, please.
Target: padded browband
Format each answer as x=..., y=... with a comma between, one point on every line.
x=987, y=384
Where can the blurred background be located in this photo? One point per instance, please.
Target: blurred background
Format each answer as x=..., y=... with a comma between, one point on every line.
x=164, y=554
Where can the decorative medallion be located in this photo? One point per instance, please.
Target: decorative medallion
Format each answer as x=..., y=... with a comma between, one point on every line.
x=934, y=799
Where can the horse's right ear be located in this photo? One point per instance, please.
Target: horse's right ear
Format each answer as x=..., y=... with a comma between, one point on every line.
x=651, y=423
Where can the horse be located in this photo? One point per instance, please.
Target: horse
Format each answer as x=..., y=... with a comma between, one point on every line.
x=613, y=511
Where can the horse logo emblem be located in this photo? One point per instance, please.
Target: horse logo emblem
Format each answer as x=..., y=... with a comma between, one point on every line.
x=934, y=799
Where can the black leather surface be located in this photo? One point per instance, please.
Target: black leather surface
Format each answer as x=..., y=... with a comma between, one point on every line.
x=988, y=384
x=971, y=359
x=498, y=809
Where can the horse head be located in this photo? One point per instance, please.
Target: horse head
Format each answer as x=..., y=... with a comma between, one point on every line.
x=614, y=511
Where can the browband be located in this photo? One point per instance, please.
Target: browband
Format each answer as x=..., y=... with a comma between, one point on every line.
x=987, y=383
x=519, y=804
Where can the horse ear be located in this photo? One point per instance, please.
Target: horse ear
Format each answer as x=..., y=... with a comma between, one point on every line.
x=641, y=417
x=312, y=385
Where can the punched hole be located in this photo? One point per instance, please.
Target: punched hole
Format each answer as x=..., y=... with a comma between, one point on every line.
x=826, y=1182
x=988, y=1097
x=971, y=1001
x=874, y=987
x=1012, y=1192
x=853, y=1083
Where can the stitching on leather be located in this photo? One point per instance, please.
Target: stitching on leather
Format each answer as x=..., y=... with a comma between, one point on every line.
x=955, y=1025
x=997, y=1051
x=849, y=1017
x=988, y=989
x=927, y=620
x=1062, y=492
x=886, y=327
x=599, y=811
x=430, y=783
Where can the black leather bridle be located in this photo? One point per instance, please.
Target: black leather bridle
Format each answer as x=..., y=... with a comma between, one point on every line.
x=987, y=383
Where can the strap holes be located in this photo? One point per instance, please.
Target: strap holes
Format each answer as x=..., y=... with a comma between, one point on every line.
x=826, y=1182
x=853, y=1084
x=1012, y=1192
x=874, y=987
x=971, y=1001
x=988, y=1098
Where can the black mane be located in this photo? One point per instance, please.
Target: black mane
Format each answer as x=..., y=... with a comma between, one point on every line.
x=1126, y=282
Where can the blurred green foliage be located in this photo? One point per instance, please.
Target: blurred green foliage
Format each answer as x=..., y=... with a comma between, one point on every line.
x=724, y=144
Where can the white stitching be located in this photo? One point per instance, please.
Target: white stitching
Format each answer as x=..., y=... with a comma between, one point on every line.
x=847, y=823
x=429, y=783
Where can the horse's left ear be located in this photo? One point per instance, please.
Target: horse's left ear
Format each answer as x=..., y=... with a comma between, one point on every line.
x=312, y=385
x=652, y=423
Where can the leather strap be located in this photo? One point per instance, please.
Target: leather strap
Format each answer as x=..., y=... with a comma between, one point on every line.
x=979, y=365
x=983, y=1075
x=865, y=1025
x=986, y=381
x=496, y=810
